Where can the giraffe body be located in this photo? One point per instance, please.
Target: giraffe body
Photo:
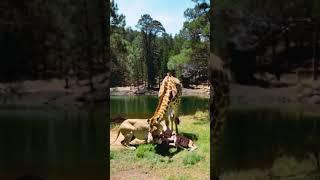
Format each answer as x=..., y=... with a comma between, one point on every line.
x=169, y=99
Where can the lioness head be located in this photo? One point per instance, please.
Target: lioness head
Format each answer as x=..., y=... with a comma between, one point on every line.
x=155, y=130
x=154, y=126
x=153, y=134
x=154, y=121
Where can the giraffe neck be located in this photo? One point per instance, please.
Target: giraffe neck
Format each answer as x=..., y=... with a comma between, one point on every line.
x=168, y=85
x=162, y=105
x=169, y=92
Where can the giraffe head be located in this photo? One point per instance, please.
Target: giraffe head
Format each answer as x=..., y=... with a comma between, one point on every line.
x=153, y=123
x=154, y=131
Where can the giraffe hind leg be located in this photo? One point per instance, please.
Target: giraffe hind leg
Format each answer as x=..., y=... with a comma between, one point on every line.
x=171, y=122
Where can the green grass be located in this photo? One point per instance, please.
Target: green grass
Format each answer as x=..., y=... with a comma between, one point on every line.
x=181, y=164
x=147, y=150
x=112, y=155
x=284, y=167
x=182, y=177
x=191, y=159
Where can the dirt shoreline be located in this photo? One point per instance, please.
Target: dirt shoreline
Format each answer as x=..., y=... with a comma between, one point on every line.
x=52, y=92
x=200, y=90
x=245, y=94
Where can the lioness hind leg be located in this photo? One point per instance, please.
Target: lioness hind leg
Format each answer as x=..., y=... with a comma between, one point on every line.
x=128, y=137
x=126, y=142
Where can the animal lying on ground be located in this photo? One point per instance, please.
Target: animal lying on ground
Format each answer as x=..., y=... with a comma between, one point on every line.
x=137, y=128
x=170, y=138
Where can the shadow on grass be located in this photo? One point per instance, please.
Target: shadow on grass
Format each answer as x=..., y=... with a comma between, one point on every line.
x=200, y=122
x=161, y=149
x=164, y=150
x=190, y=136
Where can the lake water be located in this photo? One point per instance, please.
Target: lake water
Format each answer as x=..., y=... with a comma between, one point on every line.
x=54, y=143
x=144, y=106
x=256, y=137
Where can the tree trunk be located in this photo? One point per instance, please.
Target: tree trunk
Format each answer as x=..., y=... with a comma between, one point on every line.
x=77, y=72
x=138, y=75
x=91, y=77
x=66, y=80
x=276, y=63
x=61, y=66
x=88, y=47
x=105, y=22
x=45, y=67
x=315, y=54
x=287, y=41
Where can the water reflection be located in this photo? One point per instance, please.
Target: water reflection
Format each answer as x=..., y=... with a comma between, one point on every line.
x=256, y=137
x=144, y=106
x=52, y=142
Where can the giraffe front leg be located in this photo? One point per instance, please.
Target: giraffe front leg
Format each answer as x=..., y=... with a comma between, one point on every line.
x=171, y=124
x=176, y=115
x=171, y=116
x=175, y=123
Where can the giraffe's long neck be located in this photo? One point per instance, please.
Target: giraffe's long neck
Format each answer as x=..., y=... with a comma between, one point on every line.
x=169, y=92
x=162, y=105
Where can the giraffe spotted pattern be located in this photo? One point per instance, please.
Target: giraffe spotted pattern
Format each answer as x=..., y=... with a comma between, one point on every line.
x=169, y=99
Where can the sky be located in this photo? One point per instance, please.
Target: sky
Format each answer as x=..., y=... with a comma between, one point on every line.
x=168, y=12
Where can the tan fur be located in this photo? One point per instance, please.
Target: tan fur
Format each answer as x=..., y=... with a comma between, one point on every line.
x=136, y=128
x=169, y=96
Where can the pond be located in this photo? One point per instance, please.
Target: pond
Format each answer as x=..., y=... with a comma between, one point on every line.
x=52, y=142
x=144, y=106
x=257, y=137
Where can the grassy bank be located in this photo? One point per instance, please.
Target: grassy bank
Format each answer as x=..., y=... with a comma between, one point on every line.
x=284, y=167
x=146, y=161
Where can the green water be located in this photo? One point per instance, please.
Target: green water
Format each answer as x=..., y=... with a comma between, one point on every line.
x=255, y=137
x=53, y=142
x=144, y=106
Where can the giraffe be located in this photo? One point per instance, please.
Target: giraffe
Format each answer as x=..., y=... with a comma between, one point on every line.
x=169, y=99
x=219, y=103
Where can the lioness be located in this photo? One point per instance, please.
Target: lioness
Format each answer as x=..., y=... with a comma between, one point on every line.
x=137, y=128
